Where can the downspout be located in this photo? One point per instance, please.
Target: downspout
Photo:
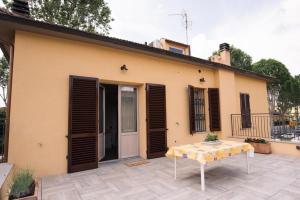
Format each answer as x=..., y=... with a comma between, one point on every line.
x=9, y=88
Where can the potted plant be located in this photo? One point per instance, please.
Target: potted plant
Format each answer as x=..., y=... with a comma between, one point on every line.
x=260, y=145
x=23, y=186
x=211, y=139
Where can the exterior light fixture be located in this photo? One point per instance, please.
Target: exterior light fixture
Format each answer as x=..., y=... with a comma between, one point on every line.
x=202, y=80
x=124, y=68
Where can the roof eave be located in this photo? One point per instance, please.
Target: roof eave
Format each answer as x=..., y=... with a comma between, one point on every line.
x=28, y=24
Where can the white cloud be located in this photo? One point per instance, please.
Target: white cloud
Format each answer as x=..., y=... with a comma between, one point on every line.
x=270, y=33
x=201, y=46
x=264, y=29
x=137, y=20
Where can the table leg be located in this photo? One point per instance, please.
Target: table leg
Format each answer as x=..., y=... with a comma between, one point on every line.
x=247, y=160
x=202, y=177
x=175, y=168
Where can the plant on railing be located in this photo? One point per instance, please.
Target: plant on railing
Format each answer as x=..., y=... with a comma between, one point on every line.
x=211, y=138
x=256, y=140
x=23, y=185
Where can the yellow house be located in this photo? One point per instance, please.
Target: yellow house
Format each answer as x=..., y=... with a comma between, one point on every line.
x=77, y=98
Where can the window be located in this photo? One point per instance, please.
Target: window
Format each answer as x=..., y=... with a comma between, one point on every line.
x=197, y=109
x=176, y=50
x=245, y=110
x=128, y=109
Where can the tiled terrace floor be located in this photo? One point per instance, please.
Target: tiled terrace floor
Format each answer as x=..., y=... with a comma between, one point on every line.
x=272, y=177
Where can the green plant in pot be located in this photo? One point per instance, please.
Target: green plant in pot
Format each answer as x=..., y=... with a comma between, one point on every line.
x=23, y=184
x=260, y=145
x=256, y=140
x=211, y=138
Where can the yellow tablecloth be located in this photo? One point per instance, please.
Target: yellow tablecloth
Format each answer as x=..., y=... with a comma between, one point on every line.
x=205, y=153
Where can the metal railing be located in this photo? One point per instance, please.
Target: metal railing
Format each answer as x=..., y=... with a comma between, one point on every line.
x=2, y=138
x=286, y=127
x=260, y=125
x=264, y=125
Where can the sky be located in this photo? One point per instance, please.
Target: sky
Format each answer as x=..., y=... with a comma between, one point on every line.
x=261, y=28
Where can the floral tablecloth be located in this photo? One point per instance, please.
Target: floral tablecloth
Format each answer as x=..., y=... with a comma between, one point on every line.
x=205, y=153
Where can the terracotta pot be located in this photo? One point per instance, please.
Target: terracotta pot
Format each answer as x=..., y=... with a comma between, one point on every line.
x=262, y=148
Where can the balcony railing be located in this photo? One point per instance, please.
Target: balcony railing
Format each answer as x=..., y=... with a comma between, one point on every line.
x=260, y=125
x=264, y=125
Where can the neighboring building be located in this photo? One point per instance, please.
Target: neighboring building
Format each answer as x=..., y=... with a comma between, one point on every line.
x=78, y=98
x=172, y=46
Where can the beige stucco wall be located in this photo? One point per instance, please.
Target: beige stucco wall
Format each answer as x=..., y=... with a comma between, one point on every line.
x=285, y=148
x=258, y=97
x=280, y=148
x=39, y=111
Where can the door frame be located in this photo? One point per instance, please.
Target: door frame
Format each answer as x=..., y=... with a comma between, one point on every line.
x=119, y=119
x=103, y=125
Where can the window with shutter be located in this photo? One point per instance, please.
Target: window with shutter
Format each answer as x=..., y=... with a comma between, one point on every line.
x=83, y=124
x=156, y=120
x=214, y=109
x=196, y=109
x=245, y=110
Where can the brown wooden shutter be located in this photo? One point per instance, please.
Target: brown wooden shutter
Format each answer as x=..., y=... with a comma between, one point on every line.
x=214, y=109
x=245, y=110
x=192, y=109
x=83, y=124
x=156, y=120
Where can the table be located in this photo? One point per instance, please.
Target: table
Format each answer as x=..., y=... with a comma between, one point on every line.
x=205, y=153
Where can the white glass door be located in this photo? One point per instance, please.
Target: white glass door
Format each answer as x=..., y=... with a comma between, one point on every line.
x=128, y=120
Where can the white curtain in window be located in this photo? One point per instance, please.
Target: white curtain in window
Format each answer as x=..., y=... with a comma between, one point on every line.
x=128, y=109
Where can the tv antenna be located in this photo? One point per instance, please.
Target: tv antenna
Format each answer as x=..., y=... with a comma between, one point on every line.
x=186, y=23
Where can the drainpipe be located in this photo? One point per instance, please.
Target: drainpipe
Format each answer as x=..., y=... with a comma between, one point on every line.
x=9, y=88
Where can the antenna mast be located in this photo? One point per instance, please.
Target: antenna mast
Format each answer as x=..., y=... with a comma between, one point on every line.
x=186, y=23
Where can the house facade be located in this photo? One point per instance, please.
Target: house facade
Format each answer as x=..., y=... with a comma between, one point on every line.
x=77, y=98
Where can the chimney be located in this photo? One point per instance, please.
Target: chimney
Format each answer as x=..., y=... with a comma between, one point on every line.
x=21, y=8
x=224, y=57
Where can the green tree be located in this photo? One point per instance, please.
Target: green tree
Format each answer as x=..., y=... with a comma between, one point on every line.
x=289, y=95
x=238, y=58
x=4, y=71
x=297, y=96
x=91, y=16
x=278, y=88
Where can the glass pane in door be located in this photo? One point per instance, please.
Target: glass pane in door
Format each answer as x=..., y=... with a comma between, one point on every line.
x=128, y=109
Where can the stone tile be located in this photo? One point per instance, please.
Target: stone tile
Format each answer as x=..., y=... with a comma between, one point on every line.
x=62, y=195
x=240, y=193
x=211, y=190
x=143, y=194
x=184, y=193
x=269, y=184
x=271, y=177
x=160, y=188
x=285, y=195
